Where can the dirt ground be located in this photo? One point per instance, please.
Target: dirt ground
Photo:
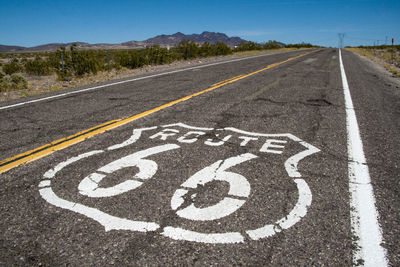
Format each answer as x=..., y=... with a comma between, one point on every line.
x=382, y=57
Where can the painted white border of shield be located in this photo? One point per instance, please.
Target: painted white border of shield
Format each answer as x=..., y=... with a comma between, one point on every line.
x=116, y=223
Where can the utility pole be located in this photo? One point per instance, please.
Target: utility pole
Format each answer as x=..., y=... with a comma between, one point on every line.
x=341, y=40
x=392, y=50
x=108, y=60
x=62, y=62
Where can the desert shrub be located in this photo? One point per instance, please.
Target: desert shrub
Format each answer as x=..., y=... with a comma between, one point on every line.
x=4, y=84
x=271, y=45
x=76, y=62
x=248, y=46
x=300, y=45
x=138, y=58
x=222, y=49
x=164, y=56
x=18, y=82
x=54, y=59
x=188, y=49
x=155, y=55
x=1, y=75
x=205, y=50
x=130, y=59
x=38, y=66
x=13, y=82
x=84, y=62
x=159, y=55
x=12, y=67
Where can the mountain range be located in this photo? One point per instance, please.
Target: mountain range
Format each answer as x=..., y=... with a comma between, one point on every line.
x=161, y=40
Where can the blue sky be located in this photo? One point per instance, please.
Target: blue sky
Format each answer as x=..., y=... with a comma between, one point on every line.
x=35, y=22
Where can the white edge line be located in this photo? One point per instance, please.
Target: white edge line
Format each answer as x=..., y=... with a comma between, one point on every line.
x=363, y=213
x=132, y=80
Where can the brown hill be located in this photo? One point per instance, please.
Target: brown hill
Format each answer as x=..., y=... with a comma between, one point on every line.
x=161, y=40
x=210, y=37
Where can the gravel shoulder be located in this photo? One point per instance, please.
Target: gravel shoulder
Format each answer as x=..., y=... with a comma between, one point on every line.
x=381, y=66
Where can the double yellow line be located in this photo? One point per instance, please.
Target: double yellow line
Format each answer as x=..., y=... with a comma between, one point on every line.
x=62, y=143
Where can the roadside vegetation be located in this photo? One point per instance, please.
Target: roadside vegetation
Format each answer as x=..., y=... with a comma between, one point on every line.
x=18, y=71
x=384, y=54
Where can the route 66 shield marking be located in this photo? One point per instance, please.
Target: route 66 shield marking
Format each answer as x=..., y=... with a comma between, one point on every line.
x=174, y=137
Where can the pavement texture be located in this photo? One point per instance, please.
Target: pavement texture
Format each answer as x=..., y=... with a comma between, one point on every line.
x=276, y=113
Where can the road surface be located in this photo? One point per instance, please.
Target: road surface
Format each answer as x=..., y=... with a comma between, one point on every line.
x=286, y=159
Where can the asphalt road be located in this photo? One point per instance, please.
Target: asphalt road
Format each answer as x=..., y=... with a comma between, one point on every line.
x=252, y=172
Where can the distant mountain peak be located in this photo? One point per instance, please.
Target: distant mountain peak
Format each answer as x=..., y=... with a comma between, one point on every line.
x=206, y=36
x=178, y=34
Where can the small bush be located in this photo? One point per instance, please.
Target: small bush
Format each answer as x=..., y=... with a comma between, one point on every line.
x=37, y=67
x=76, y=62
x=188, y=49
x=205, y=50
x=271, y=45
x=4, y=84
x=12, y=67
x=19, y=82
x=85, y=62
x=301, y=45
x=13, y=82
x=222, y=49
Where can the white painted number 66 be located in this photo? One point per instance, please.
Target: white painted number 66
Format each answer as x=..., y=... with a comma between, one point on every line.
x=239, y=187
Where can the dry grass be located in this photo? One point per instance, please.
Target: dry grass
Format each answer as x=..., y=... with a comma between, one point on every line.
x=395, y=71
x=381, y=56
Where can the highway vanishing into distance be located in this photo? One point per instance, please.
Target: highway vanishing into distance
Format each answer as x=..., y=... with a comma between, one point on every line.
x=285, y=159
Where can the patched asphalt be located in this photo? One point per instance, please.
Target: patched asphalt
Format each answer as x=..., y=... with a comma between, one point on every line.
x=303, y=98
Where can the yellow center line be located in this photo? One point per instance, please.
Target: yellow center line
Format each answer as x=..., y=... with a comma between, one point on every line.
x=62, y=143
x=227, y=80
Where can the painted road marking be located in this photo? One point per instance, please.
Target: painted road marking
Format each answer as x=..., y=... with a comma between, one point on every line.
x=364, y=216
x=126, y=81
x=89, y=186
x=47, y=149
x=227, y=80
x=239, y=186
